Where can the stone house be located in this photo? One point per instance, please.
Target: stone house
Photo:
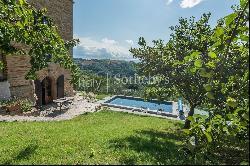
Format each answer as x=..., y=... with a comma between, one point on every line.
x=52, y=82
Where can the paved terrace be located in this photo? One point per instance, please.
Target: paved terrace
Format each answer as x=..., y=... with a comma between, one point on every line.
x=51, y=113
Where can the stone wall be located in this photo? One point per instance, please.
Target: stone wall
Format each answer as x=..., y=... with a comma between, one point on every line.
x=17, y=68
x=54, y=71
x=61, y=11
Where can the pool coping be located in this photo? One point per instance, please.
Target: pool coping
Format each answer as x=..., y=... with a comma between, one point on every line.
x=173, y=114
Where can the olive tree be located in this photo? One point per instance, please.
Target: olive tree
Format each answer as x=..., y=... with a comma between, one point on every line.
x=208, y=67
x=179, y=61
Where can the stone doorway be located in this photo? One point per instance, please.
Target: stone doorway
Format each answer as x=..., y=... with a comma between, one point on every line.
x=49, y=89
x=38, y=91
x=60, y=87
x=47, y=96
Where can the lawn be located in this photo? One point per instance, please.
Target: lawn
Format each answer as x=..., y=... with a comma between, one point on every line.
x=98, y=138
x=101, y=96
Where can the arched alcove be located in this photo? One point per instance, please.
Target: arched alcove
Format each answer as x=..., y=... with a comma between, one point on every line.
x=47, y=93
x=60, y=86
x=38, y=91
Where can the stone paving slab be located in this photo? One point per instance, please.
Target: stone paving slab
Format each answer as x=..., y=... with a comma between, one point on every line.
x=143, y=113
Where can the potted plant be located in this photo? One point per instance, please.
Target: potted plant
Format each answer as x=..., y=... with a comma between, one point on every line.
x=12, y=106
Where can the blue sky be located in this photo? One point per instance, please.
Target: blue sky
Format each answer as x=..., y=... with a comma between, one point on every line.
x=108, y=28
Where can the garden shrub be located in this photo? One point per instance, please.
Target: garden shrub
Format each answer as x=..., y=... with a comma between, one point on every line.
x=26, y=105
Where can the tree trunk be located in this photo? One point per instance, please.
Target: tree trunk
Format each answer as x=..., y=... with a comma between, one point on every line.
x=191, y=113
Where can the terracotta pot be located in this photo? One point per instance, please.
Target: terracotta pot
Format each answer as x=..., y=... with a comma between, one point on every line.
x=15, y=108
x=2, y=107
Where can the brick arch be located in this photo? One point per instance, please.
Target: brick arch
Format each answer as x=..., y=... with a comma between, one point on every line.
x=38, y=92
x=60, y=86
x=45, y=89
x=48, y=89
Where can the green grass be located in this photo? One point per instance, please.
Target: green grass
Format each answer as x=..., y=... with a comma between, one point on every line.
x=99, y=138
x=101, y=96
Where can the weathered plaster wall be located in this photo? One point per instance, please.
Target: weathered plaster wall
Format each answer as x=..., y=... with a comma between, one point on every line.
x=4, y=90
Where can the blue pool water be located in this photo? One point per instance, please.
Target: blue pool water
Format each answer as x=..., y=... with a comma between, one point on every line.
x=139, y=103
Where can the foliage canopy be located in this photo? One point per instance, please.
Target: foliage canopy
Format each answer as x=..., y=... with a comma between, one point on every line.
x=209, y=68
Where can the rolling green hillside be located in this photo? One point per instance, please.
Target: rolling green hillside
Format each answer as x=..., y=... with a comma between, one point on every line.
x=102, y=67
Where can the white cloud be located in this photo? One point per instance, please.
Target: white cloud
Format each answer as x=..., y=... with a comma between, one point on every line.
x=190, y=3
x=130, y=42
x=101, y=49
x=108, y=41
x=186, y=3
x=168, y=2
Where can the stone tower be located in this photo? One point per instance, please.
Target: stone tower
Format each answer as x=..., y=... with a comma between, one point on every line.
x=52, y=82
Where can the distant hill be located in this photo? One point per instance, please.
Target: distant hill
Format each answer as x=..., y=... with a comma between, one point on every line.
x=103, y=66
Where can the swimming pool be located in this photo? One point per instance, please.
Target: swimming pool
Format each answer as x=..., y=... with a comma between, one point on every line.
x=132, y=102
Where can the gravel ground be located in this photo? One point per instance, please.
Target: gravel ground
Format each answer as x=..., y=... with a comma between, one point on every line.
x=52, y=113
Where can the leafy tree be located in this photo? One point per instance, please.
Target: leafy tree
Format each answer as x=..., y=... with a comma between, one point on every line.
x=228, y=124
x=179, y=61
x=219, y=63
x=22, y=25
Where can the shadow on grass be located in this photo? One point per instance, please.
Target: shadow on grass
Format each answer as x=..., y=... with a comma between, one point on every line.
x=26, y=153
x=149, y=146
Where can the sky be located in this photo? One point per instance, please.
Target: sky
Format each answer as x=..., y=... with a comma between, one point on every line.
x=107, y=29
